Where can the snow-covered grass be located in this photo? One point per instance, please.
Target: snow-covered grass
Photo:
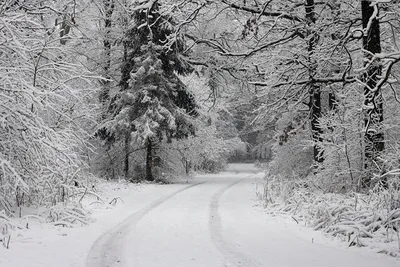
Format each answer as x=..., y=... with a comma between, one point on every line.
x=35, y=240
x=365, y=220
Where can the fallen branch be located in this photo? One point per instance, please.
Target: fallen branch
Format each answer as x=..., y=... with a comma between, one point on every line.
x=114, y=201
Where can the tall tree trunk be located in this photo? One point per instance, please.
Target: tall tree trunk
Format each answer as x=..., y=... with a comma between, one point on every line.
x=149, y=161
x=373, y=136
x=124, y=84
x=108, y=12
x=314, y=89
x=336, y=17
x=127, y=153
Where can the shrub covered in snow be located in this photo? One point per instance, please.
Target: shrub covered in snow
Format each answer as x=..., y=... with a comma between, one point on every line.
x=361, y=219
x=45, y=101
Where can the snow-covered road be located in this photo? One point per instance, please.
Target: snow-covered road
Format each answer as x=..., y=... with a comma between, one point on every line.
x=213, y=222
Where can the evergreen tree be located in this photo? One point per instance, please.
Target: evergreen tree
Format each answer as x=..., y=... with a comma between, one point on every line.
x=153, y=105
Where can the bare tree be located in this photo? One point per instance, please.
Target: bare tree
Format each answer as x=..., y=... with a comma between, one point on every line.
x=374, y=136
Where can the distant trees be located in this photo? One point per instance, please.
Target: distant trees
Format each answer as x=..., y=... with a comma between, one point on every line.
x=323, y=63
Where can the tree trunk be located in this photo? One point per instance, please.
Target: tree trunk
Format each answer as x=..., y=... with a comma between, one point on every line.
x=127, y=153
x=315, y=101
x=108, y=12
x=149, y=161
x=187, y=166
x=314, y=89
x=373, y=136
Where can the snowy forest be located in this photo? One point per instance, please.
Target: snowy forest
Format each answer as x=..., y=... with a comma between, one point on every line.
x=152, y=90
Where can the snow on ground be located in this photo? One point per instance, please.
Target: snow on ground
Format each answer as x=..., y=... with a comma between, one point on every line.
x=353, y=219
x=50, y=246
x=278, y=241
x=213, y=221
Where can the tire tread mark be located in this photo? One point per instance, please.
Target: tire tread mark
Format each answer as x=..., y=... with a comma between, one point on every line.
x=232, y=256
x=100, y=254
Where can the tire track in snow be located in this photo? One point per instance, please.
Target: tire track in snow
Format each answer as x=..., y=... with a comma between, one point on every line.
x=233, y=257
x=106, y=251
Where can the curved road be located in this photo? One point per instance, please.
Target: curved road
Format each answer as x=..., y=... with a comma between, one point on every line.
x=213, y=223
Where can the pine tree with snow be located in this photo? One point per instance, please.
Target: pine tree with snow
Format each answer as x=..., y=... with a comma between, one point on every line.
x=153, y=105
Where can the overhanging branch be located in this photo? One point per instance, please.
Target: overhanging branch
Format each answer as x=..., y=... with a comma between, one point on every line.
x=263, y=12
x=328, y=80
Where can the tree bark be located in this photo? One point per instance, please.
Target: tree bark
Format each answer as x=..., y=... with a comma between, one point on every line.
x=149, y=161
x=314, y=89
x=373, y=135
x=187, y=166
x=108, y=12
x=127, y=153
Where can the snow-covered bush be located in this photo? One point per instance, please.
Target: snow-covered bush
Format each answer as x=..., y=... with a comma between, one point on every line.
x=45, y=97
x=371, y=219
x=342, y=144
x=292, y=152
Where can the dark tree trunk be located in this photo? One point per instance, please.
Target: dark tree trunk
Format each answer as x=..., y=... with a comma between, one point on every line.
x=374, y=137
x=149, y=161
x=127, y=153
x=314, y=89
x=336, y=10
x=315, y=100
x=187, y=166
x=108, y=12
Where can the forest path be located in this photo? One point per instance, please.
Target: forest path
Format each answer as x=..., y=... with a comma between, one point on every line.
x=213, y=223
